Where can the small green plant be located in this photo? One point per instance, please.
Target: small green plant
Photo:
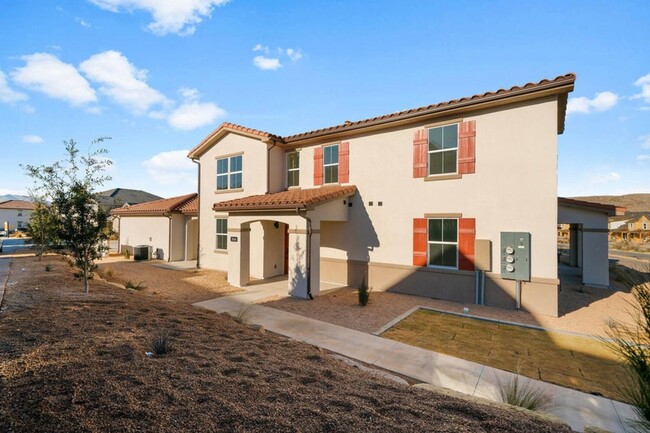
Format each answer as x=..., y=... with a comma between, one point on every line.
x=130, y=285
x=243, y=315
x=364, y=293
x=48, y=268
x=127, y=254
x=521, y=392
x=161, y=343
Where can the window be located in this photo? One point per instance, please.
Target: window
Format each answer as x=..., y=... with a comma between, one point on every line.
x=443, y=243
x=20, y=224
x=229, y=173
x=293, y=169
x=331, y=164
x=20, y=213
x=630, y=226
x=222, y=234
x=443, y=150
x=645, y=226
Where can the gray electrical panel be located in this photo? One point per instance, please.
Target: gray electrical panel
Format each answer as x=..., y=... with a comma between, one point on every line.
x=515, y=256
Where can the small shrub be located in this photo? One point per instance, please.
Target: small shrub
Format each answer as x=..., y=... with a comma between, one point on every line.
x=523, y=393
x=364, y=293
x=243, y=315
x=108, y=273
x=161, y=343
x=127, y=254
x=48, y=268
x=129, y=285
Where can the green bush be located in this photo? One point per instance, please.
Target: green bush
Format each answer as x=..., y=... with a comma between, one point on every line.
x=161, y=343
x=523, y=393
x=127, y=254
x=364, y=293
x=48, y=268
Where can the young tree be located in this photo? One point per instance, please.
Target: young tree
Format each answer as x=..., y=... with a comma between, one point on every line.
x=42, y=226
x=70, y=186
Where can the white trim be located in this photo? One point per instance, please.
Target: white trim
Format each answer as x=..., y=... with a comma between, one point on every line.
x=289, y=170
x=429, y=152
x=338, y=148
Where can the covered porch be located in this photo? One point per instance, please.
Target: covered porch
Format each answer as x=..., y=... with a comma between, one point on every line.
x=297, y=214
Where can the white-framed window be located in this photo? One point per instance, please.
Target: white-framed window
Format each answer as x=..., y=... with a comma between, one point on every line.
x=331, y=164
x=443, y=243
x=293, y=169
x=20, y=213
x=20, y=224
x=229, y=173
x=645, y=226
x=443, y=150
x=222, y=234
x=630, y=226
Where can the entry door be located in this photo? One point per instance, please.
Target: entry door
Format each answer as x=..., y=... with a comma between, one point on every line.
x=286, y=248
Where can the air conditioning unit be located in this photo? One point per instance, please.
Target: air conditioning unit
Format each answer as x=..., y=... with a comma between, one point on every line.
x=141, y=252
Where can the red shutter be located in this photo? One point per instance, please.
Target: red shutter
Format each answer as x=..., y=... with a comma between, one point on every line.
x=466, y=237
x=344, y=162
x=419, y=242
x=318, y=166
x=467, y=147
x=420, y=143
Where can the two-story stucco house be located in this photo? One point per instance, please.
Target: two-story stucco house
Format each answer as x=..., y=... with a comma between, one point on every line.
x=15, y=214
x=407, y=200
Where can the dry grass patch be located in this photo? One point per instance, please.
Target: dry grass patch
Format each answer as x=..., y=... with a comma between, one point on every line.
x=572, y=361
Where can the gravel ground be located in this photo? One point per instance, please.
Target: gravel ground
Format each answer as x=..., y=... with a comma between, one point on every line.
x=76, y=363
x=583, y=310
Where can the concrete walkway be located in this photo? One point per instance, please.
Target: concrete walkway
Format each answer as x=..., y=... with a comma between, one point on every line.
x=578, y=409
x=4, y=275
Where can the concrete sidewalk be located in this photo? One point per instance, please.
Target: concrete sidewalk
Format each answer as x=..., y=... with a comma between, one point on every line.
x=578, y=409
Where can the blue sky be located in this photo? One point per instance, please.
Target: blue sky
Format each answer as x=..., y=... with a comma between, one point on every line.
x=158, y=76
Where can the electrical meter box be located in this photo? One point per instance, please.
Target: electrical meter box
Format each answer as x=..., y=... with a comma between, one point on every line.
x=515, y=256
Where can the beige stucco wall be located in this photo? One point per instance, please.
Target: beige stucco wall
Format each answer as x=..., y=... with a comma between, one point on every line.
x=10, y=216
x=153, y=231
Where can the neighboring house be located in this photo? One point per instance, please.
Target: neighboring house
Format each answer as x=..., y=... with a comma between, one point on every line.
x=400, y=200
x=635, y=230
x=15, y=214
x=168, y=226
x=116, y=197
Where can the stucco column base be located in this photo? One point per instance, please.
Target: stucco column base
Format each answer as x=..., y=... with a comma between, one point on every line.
x=298, y=264
x=238, y=256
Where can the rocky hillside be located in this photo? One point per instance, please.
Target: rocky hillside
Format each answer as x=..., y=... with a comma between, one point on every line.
x=633, y=202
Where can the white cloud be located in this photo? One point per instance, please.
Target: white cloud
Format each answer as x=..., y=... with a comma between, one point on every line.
x=47, y=74
x=646, y=142
x=82, y=22
x=7, y=94
x=32, y=139
x=169, y=168
x=609, y=176
x=262, y=48
x=121, y=81
x=267, y=63
x=293, y=54
x=643, y=158
x=169, y=16
x=603, y=101
x=193, y=114
x=644, y=84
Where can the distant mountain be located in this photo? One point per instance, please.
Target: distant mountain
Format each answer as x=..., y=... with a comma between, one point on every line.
x=14, y=197
x=633, y=202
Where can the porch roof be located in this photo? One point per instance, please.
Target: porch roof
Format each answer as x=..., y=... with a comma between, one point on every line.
x=291, y=199
x=610, y=210
x=185, y=204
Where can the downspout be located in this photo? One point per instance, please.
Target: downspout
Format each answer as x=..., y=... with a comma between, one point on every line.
x=169, y=237
x=268, y=167
x=198, y=216
x=308, y=251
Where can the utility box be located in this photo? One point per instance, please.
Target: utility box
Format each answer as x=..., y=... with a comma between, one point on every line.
x=515, y=256
x=483, y=255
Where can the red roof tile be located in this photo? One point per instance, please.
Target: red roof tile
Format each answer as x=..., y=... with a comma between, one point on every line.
x=292, y=199
x=182, y=204
x=17, y=204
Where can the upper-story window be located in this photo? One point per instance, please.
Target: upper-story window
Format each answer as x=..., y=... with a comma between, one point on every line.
x=443, y=150
x=331, y=164
x=645, y=226
x=229, y=173
x=293, y=169
x=20, y=213
x=443, y=242
x=630, y=226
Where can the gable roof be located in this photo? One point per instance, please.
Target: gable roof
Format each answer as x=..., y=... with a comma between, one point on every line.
x=560, y=86
x=17, y=204
x=186, y=204
x=120, y=196
x=291, y=199
x=608, y=209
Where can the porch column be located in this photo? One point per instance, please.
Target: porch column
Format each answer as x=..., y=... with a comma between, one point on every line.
x=238, y=255
x=298, y=262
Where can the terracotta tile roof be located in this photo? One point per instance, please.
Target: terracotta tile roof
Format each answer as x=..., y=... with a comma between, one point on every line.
x=607, y=208
x=17, y=204
x=191, y=206
x=180, y=204
x=562, y=84
x=291, y=199
x=454, y=103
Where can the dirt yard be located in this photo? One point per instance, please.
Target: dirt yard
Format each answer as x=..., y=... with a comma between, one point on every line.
x=187, y=286
x=76, y=363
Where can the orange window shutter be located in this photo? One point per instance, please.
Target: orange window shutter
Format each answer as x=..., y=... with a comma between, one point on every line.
x=466, y=238
x=467, y=147
x=420, y=242
x=318, y=166
x=344, y=162
x=420, y=143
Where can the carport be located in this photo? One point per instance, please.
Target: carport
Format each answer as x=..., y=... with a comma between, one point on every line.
x=588, y=240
